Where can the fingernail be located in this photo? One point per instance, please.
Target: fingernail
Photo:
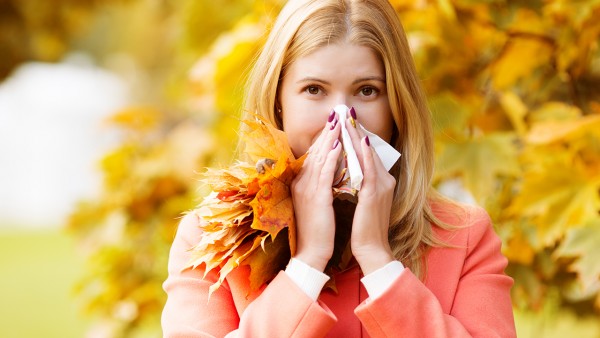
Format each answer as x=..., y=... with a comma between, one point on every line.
x=367, y=141
x=331, y=116
x=335, y=122
x=335, y=144
x=353, y=113
x=352, y=121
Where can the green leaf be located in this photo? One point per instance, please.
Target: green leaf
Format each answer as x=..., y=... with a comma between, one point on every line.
x=584, y=244
x=480, y=161
x=449, y=116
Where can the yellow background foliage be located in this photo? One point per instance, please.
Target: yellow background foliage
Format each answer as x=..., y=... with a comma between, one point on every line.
x=513, y=86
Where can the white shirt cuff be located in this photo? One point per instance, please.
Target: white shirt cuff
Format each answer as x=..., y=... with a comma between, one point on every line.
x=309, y=279
x=378, y=281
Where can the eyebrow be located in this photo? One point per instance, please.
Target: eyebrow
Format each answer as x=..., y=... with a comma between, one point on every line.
x=312, y=79
x=362, y=79
x=369, y=78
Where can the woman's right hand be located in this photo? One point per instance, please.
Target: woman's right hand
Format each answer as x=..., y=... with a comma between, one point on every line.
x=313, y=199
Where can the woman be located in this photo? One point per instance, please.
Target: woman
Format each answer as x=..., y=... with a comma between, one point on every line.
x=422, y=266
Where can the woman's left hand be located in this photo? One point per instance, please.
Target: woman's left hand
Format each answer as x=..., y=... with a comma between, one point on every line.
x=369, y=239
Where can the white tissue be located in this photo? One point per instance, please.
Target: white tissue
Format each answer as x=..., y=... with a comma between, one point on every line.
x=388, y=154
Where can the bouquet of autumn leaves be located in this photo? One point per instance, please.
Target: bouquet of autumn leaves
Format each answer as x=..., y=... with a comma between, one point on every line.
x=248, y=218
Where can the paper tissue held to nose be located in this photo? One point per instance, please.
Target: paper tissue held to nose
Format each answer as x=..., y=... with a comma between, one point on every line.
x=348, y=177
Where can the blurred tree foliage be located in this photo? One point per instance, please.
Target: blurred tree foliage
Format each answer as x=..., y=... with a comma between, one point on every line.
x=514, y=88
x=41, y=30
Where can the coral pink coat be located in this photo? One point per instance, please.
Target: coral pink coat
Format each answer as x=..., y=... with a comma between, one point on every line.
x=465, y=294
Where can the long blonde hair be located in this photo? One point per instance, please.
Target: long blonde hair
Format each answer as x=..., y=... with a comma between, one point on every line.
x=305, y=25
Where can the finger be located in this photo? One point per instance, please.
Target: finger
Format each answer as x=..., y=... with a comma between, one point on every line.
x=320, y=152
x=375, y=174
x=355, y=138
x=369, y=167
x=329, y=125
x=330, y=165
x=360, y=130
x=330, y=134
x=313, y=150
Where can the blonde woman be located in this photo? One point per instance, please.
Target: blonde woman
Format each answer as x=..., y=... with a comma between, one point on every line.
x=422, y=266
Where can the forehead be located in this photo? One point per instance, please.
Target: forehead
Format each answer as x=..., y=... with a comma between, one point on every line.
x=338, y=60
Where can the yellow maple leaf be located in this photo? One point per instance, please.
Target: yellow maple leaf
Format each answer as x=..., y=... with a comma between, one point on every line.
x=265, y=141
x=560, y=183
x=518, y=59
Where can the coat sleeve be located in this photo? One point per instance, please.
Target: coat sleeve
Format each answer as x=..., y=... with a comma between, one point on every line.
x=282, y=309
x=481, y=306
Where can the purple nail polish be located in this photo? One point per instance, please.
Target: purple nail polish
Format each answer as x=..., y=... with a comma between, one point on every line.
x=335, y=144
x=335, y=122
x=331, y=116
x=367, y=141
x=353, y=113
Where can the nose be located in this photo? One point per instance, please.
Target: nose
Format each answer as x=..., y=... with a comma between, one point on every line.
x=340, y=98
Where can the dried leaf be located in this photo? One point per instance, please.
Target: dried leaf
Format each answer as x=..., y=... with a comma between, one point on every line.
x=247, y=209
x=266, y=263
x=265, y=141
x=272, y=205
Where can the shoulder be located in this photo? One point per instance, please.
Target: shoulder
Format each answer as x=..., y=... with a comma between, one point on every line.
x=462, y=224
x=458, y=214
x=189, y=231
x=470, y=229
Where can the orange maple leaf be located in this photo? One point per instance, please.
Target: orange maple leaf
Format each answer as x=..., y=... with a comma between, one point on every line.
x=249, y=206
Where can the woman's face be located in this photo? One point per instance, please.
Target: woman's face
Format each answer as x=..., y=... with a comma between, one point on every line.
x=341, y=73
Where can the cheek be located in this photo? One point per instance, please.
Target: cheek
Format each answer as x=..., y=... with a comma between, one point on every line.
x=379, y=123
x=387, y=128
x=302, y=119
x=301, y=131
